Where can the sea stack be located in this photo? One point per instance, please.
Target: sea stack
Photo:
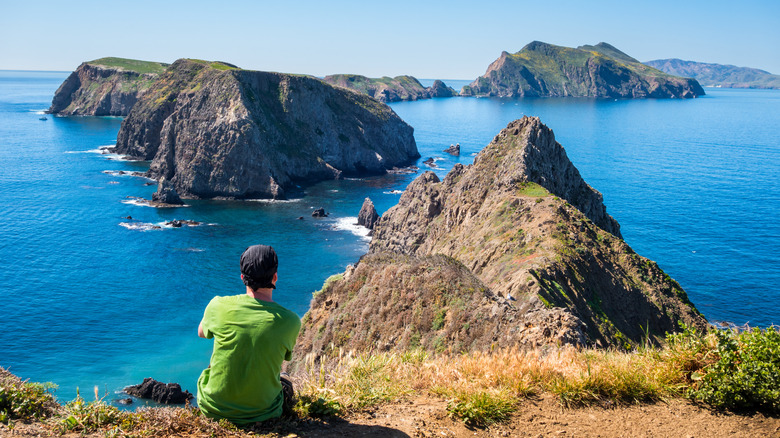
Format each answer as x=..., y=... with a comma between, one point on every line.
x=216, y=131
x=515, y=250
x=368, y=215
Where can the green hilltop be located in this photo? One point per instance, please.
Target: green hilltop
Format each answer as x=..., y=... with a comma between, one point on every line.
x=135, y=65
x=546, y=70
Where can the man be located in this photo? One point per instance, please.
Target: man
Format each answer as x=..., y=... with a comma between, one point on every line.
x=253, y=335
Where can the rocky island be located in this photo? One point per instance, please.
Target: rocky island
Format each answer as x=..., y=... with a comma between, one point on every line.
x=213, y=130
x=718, y=75
x=387, y=89
x=105, y=87
x=546, y=70
x=515, y=250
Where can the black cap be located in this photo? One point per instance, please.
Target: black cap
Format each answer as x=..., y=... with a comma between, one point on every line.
x=258, y=266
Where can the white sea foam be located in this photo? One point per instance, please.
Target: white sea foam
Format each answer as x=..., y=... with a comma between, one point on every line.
x=350, y=224
x=393, y=192
x=141, y=226
x=275, y=201
x=136, y=201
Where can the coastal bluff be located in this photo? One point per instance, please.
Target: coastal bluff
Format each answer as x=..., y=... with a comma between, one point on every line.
x=105, y=87
x=216, y=131
x=514, y=250
x=600, y=71
x=387, y=89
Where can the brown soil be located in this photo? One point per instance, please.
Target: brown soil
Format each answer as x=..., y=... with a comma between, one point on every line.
x=545, y=417
x=540, y=417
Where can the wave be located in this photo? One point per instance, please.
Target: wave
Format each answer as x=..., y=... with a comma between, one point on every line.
x=275, y=201
x=141, y=202
x=350, y=224
x=128, y=173
x=393, y=192
x=141, y=226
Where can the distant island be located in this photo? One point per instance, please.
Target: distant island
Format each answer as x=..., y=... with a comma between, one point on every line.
x=546, y=70
x=387, y=89
x=213, y=130
x=105, y=87
x=718, y=75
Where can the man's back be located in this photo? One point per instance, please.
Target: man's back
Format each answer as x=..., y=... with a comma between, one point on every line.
x=252, y=338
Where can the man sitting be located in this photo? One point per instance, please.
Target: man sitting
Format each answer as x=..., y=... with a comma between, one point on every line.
x=253, y=335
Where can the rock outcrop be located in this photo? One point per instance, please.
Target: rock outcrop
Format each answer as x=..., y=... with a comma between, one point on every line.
x=515, y=250
x=166, y=194
x=216, y=131
x=387, y=89
x=718, y=75
x=105, y=87
x=368, y=215
x=546, y=70
x=454, y=150
x=168, y=393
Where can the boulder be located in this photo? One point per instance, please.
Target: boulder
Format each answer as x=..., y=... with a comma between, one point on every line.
x=168, y=393
x=166, y=194
x=368, y=215
x=319, y=212
x=454, y=149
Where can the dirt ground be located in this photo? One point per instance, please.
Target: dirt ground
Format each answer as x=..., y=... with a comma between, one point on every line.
x=541, y=417
x=544, y=417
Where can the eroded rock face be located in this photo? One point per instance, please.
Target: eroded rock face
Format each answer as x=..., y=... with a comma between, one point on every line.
x=520, y=222
x=542, y=69
x=368, y=215
x=99, y=90
x=168, y=393
x=166, y=194
x=388, y=89
x=221, y=132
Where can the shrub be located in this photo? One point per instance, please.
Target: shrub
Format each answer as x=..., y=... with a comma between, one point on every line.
x=745, y=374
x=22, y=400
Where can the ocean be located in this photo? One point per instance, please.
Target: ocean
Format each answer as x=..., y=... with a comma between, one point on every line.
x=99, y=292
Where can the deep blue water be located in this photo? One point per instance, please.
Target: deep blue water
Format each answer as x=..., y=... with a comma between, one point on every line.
x=92, y=298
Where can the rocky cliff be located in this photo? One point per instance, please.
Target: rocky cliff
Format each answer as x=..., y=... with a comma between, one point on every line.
x=213, y=130
x=718, y=75
x=386, y=89
x=542, y=69
x=515, y=250
x=105, y=87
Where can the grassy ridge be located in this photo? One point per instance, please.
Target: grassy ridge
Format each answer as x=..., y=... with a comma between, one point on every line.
x=131, y=64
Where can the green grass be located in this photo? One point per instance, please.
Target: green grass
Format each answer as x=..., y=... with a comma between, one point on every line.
x=532, y=190
x=131, y=64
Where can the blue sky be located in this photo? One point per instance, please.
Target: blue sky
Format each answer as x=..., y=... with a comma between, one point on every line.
x=427, y=39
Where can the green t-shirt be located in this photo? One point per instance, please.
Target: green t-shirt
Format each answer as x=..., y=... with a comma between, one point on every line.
x=251, y=340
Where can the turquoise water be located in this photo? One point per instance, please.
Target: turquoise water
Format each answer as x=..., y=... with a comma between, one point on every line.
x=92, y=298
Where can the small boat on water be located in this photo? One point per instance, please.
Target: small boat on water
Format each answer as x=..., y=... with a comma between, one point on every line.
x=43, y=118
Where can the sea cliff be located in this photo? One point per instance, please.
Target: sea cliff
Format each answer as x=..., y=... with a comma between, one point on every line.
x=546, y=70
x=105, y=87
x=515, y=250
x=216, y=131
x=718, y=75
x=387, y=89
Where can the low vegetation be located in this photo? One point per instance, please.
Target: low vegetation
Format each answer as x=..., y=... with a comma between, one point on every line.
x=131, y=64
x=726, y=369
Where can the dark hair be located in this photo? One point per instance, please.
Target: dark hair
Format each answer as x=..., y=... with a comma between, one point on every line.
x=258, y=266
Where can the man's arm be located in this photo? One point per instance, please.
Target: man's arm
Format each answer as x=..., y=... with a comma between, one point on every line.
x=200, y=330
